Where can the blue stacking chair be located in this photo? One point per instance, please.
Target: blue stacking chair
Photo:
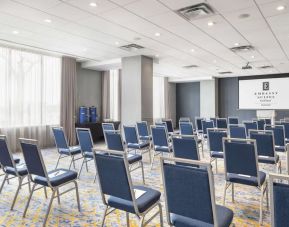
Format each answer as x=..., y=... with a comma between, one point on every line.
x=160, y=141
x=279, y=197
x=241, y=167
x=221, y=123
x=250, y=125
x=133, y=142
x=184, y=119
x=86, y=144
x=143, y=131
x=114, y=142
x=107, y=127
x=215, y=144
x=118, y=192
x=39, y=176
x=266, y=147
x=205, y=125
x=237, y=131
x=286, y=128
x=279, y=136
x=11, y=169
x=169, y=124
x=198, y=123
x=233, y=120
x=190, y=195
x=261, y=124
x=214, y=119
x=62, y=147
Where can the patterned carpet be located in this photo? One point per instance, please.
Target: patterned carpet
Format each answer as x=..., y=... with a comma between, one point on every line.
x=246, y=206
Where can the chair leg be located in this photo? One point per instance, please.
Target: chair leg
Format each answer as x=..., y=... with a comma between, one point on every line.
x=49, y=207
x=233, y=200
x=104, y=215
x=142, y=170
x=150, y=154
x=73, y=161
x=225, y=191
x=141, y=220
x=161, y=215
x=267, y=196
x=58, y=161
x=95, y=178
x=86, y=165
x=29, y=184
x=154, y=153
x=127, y=219
x=77, y=195
x=216, y=163
x=261, y=205
x=58, y=196
x=45, y=192
x=2, y=185
x=70, y=163
x=28, y=201
x=203, y=149
x=81, y=168
x=17, y=192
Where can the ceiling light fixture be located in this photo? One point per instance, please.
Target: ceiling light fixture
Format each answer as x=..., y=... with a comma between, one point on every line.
x=215, y=61
x=252, y=56
x=116, y=43
x=280, y=8
x=211, y=23
x=192, y=50
x=15, y=32
x=47, y=21
x=93, y=4
x=157, y=34
x=236, y=44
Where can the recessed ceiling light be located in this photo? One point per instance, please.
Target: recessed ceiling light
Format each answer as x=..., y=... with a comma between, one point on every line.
x=15, y=32
x=47, y=21
x=280, y=8
x=252, y=56
x=211, y=23
x=236, y=44
x=157, y=34
x=192, y=50
x=116, y=43
x=93, y=4
x=215, y=61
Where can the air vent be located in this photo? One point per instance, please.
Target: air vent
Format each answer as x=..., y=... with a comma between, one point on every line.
x=242, y=48
x=190, y=66
x=265, y=67
x=225, y=72
x=196, y=11
x=131, y=47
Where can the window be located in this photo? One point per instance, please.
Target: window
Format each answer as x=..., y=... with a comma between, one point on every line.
x=158, y=97
x=114, y=94
x=29, y=89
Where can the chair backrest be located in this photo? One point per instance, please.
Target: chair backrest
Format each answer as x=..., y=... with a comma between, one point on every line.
x=215, y=139
x=33, y=158
x=5, y=154
x=286, y=128
x=279, y=134
x=60, y=138
x=184, y=119
x=221, y=123
x=214, y=119
x=198, y=123
x=159, y=136
x=130, y=134
x=142, y=128
x=237, y=131
x=186, y=128
x=85, y=139
x=114, y=140
x=207, y=124
x=268, y=121
x=279, y=197
x=250, y=125
x=186, y=147
x=169, y=124
x=261, y=124
x=189, y=192
x=107, y=127
x=233, y=120
x=264, y=141
x=113, y=176
x=241, y=157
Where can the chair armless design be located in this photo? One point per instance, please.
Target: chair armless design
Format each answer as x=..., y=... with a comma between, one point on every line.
x=286, y=128
x=250, y=125
x=170, y=126
x=11, y=168
x=38, y=174
x=190, y=195
x=233, y=120
x=160, y=141
x=184, y=119
x=214, y=119
x=237, y=131
x=266, y=147
x=133, y=142
x=143, y=131
x=261, y=124
x=115, y=143
x=107, y=127
x=279, y=136
x=279, y=197
x=222, y=123
x=118, y=192
x=241, y=167
x=215, y=144
x=199, y=126
x=205, y=125
x=62, y=147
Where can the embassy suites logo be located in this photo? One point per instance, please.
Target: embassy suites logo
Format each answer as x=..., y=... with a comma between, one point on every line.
x=265, y=97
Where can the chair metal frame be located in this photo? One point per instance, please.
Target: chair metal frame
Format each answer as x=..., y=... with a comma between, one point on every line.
x=239, y=126
x=253, y=122
x=18, y=176
x=199, y=131
x=140, y=216
x=55, y=190
x=205, y=133
x=231, y=117
x=61, y=156
x=184, y=119
x=262, y=188
x=103, y=131
x=191, y=162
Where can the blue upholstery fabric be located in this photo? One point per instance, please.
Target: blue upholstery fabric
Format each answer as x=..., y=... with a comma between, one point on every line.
x=22, y=170
x=280, y=148
x=88, y=155
x=217, y=154
x=59, y=137
x=269, y=160
x=279, y=135
x=221, y=123
x=261, y=124
x=265, y=143
x=249, y=126
x=114, y=141
x=134, y=158
x=73, y=150
x=199, y=124
x=281, y=204
x=214, y=119
x=163, y=148
x=224, y=217
x=215, y=142
x=145, y=138
x=113, y=176
x=85, y=140
x=169, y=125
x=107, y=127
x=140, y=145
x=159, y=137
x=161, y=124
x=32, y=159
x=142, y=128
x=149, y=198
x=5, y=158
x=130, y=134
x=188, y=192
x=57, y=180
x=206, y=125
x=286, y=128
x=186, y=128
x=268, y=121
x=240, y=179
x=237, y=131
x=233, y=120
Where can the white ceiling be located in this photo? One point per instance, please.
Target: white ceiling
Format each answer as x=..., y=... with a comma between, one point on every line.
x=94, y=34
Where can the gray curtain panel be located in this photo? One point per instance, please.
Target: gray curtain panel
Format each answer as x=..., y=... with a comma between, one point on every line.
x=105, y=95
x=68, y=98
x=119, y=95
x=170, y=100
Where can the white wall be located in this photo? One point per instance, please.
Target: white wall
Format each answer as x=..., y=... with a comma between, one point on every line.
x=208, y=98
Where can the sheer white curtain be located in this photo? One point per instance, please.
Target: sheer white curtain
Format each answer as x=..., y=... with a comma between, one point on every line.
x=114, y=99
x=29, y=94
x=158, y=97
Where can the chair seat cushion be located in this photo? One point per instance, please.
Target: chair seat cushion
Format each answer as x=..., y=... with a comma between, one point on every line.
x=286, y=140
x=132, y=158
x=138, y=145
x=145, y=138
x=280, y=148
x=88, y=154
x=64, y=176
x=74, y=150
x=268, y=160
x=217, y=154
x=21, y=169
x=247, y=180
x=163, y=148
x=224, y=216
x=145, y=201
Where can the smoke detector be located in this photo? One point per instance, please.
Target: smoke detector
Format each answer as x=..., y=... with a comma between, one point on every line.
x=196, y=11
